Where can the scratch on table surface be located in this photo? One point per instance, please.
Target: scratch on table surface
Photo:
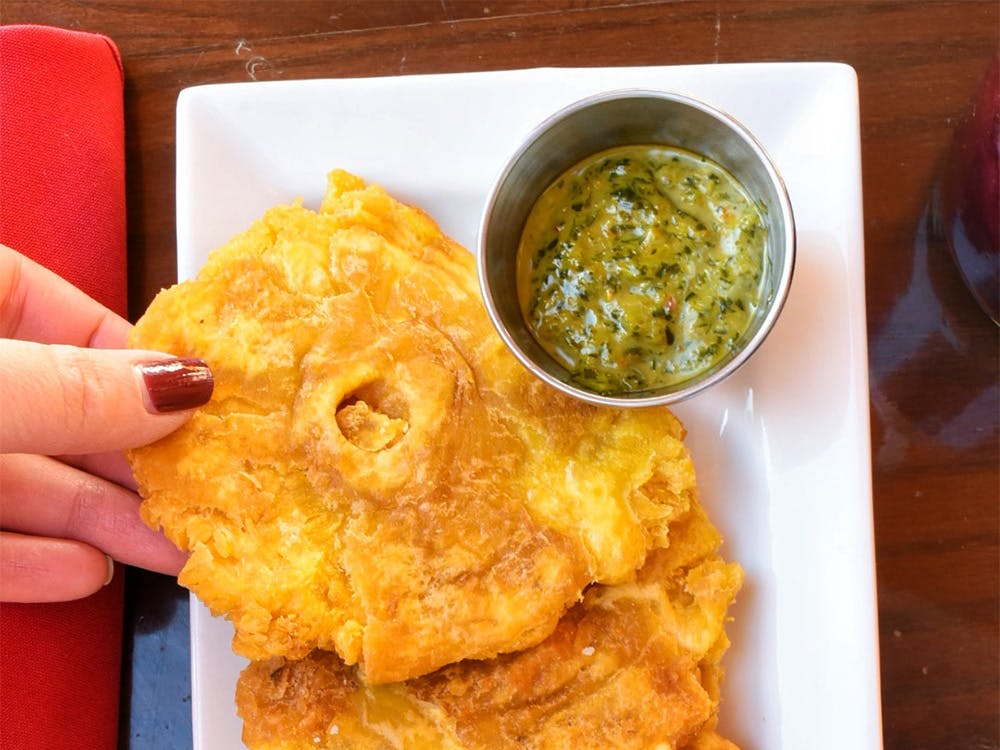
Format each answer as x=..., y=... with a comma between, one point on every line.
x=255, y=64
x=197, y=61
x=718, y=33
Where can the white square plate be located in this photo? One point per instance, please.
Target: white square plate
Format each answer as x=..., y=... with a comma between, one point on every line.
x=782, y=448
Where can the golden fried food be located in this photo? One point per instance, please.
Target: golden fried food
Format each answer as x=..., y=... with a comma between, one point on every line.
x=634, y=665
x=375, y=474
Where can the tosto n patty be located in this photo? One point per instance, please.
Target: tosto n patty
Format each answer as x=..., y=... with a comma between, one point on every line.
x=633, y=666
x=375, y=474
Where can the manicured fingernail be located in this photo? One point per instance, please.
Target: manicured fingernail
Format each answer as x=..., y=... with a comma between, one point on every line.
x=111, y=570
x=176, y=384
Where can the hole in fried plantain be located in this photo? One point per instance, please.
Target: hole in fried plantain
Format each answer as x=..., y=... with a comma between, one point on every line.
x=373, y=417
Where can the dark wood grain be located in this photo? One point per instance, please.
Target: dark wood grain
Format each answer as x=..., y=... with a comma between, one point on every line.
x=933, y=353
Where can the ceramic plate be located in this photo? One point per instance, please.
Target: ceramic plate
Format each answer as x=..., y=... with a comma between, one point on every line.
x=782, y=448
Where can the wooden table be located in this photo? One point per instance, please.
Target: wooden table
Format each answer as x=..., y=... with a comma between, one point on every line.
x=933, y=352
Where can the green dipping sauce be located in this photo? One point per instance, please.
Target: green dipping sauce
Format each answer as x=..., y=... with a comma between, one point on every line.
x=640, y=267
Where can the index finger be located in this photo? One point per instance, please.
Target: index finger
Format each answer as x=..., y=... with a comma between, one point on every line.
x=38, y=305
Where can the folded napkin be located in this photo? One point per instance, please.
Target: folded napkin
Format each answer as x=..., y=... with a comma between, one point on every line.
x=62, y=202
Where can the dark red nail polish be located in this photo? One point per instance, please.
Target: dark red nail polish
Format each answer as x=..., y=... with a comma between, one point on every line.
x=177, y=384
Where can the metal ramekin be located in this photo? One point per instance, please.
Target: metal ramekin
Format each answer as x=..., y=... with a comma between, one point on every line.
x=613, y=119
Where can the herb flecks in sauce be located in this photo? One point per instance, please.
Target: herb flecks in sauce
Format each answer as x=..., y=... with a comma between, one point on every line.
x=640, y=267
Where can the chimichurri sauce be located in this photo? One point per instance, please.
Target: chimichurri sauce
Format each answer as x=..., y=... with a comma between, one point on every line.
x=640, y=267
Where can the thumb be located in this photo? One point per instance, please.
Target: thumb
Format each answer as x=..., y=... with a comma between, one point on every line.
x=58, y=399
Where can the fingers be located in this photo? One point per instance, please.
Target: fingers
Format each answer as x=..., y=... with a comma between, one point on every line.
x=42, y=496
x=68, y=387
x=38, y=305
x=35, y=569
x=68, y=400
x=111, y=466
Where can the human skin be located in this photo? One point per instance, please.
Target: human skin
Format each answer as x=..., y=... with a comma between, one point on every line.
x=71, y=399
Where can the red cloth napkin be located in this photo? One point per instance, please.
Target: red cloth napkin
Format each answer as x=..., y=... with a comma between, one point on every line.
x=62, y=202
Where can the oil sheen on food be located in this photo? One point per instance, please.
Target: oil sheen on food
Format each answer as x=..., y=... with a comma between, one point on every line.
x=640, y=267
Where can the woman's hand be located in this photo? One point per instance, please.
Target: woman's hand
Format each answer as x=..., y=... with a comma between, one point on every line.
x=71, y=399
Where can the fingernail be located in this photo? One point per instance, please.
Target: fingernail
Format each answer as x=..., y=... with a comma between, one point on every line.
x=176, y=384
x=111, y=569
